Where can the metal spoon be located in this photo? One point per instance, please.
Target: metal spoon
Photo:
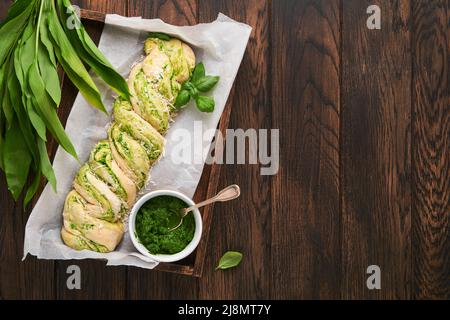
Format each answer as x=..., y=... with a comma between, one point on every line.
x=229, y=193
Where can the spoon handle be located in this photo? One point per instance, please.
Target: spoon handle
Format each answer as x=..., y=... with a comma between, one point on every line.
x=229, y=193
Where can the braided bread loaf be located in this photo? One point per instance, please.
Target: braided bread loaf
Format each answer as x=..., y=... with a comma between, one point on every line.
x=105, y=188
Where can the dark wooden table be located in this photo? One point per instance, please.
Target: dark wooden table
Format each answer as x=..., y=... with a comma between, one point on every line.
x=364, y=119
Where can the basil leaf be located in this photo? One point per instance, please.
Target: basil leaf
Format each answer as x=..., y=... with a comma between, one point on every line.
x=159, y=35
x=198, y=73
x=229, y=260
x=206, y=83
x=205, y=104
x=193, y=92
x=17, y=160
x=199, y=82
x=182, y=98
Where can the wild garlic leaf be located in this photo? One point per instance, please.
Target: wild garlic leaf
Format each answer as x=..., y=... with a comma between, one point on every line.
x=26, y=49
x=89, y=53
x=32, y=189
x=105, y=70
x=16, y=8
x=16, y=159
x=11, y=30
x=36, y=120
x=5, y=102
x=45, y=37
x=49, y=75
x=32, y=40
x=46, y=109
x=22, y=117
x=72, y=64
x=7, y=108
x=22, y=61
x=46, y=166
x=229, y=260
x=2, y=141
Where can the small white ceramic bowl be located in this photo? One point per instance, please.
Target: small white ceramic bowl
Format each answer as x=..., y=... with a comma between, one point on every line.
x=165, y=257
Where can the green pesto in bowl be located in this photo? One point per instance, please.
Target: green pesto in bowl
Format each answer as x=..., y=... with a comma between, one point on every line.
x=156, y=217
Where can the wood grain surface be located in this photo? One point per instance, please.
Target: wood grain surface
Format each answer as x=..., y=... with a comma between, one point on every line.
x=431, y=149
x=305, y=72
x=364, y=178
x=250, y=216
x=376, y=165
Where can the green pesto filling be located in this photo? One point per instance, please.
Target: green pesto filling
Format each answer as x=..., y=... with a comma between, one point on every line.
x=153, y=108
x=127, y=152
x=82, y=180
x=133, y=125
x=156, y=217
x=85, y=243
x=152, y=151
x=100, y=164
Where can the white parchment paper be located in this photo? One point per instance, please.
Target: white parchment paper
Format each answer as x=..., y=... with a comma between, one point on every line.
x=220, y=45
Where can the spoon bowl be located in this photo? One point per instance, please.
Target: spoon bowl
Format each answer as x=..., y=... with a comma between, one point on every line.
x=227, y=194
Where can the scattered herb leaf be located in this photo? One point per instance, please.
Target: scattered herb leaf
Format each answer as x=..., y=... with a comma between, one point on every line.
x=229, y=260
